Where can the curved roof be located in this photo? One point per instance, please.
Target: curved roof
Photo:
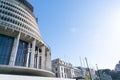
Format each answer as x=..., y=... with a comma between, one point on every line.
x=27, y=4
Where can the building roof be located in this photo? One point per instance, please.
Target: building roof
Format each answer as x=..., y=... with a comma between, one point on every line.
x=27, y=4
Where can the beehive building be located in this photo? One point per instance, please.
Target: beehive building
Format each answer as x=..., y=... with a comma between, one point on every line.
x=22, y=50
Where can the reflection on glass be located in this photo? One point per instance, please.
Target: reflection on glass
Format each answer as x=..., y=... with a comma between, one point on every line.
x=6, y=44
x=21, y=56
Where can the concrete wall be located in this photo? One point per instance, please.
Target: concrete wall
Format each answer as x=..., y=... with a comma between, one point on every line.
x=16, y=77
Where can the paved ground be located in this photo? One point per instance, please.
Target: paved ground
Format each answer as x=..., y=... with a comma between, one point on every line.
x=16, y=77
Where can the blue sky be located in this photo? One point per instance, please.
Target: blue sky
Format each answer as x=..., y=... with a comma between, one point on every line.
x=85, y=28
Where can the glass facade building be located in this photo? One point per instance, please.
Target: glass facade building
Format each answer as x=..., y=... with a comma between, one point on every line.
x=21, y=44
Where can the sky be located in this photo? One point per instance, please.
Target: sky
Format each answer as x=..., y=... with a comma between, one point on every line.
x=75, y=29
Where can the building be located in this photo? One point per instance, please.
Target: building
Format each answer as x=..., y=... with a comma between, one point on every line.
x=64, y=69
x=85, y=73
x=61, y=68
x=117, y=67
x=77, y=72
x=82, y=71
x=22, y=50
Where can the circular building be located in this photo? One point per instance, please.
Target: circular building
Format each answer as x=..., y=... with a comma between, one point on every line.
x=22, y=50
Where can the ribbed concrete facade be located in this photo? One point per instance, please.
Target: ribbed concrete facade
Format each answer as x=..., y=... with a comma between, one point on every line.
x=21, y=43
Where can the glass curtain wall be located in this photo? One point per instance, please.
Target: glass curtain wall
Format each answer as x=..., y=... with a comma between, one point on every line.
x=21, y=57
x=6, y=44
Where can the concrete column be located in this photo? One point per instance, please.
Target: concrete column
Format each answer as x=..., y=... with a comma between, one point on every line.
x=14, y=50
x=38, y=57
x=32, y=54
x=27, y=62
x=43, y=58
x=48, y=61
x=61, y=72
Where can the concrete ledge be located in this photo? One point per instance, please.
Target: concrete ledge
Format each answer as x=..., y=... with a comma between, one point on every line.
x=4, y=69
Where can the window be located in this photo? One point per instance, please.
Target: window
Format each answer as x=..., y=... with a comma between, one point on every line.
x=56, y=75
x=29, y=59
x=40, y=58
x=55, y=69
x=21, y=57
x=6, y=44
x=40, y=50
x=62, y=75
x=35, y=60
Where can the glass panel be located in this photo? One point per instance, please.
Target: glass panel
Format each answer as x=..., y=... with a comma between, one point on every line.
x=6, y=44
x=40, y=62
x=29, y=59
x=21, y=57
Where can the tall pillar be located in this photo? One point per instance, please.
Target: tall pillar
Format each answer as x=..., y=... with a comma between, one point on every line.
x=27, y=62
x=48, y=61
x=14, y=50
x=32, y=54
x=43, y=58
x=38, y=58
